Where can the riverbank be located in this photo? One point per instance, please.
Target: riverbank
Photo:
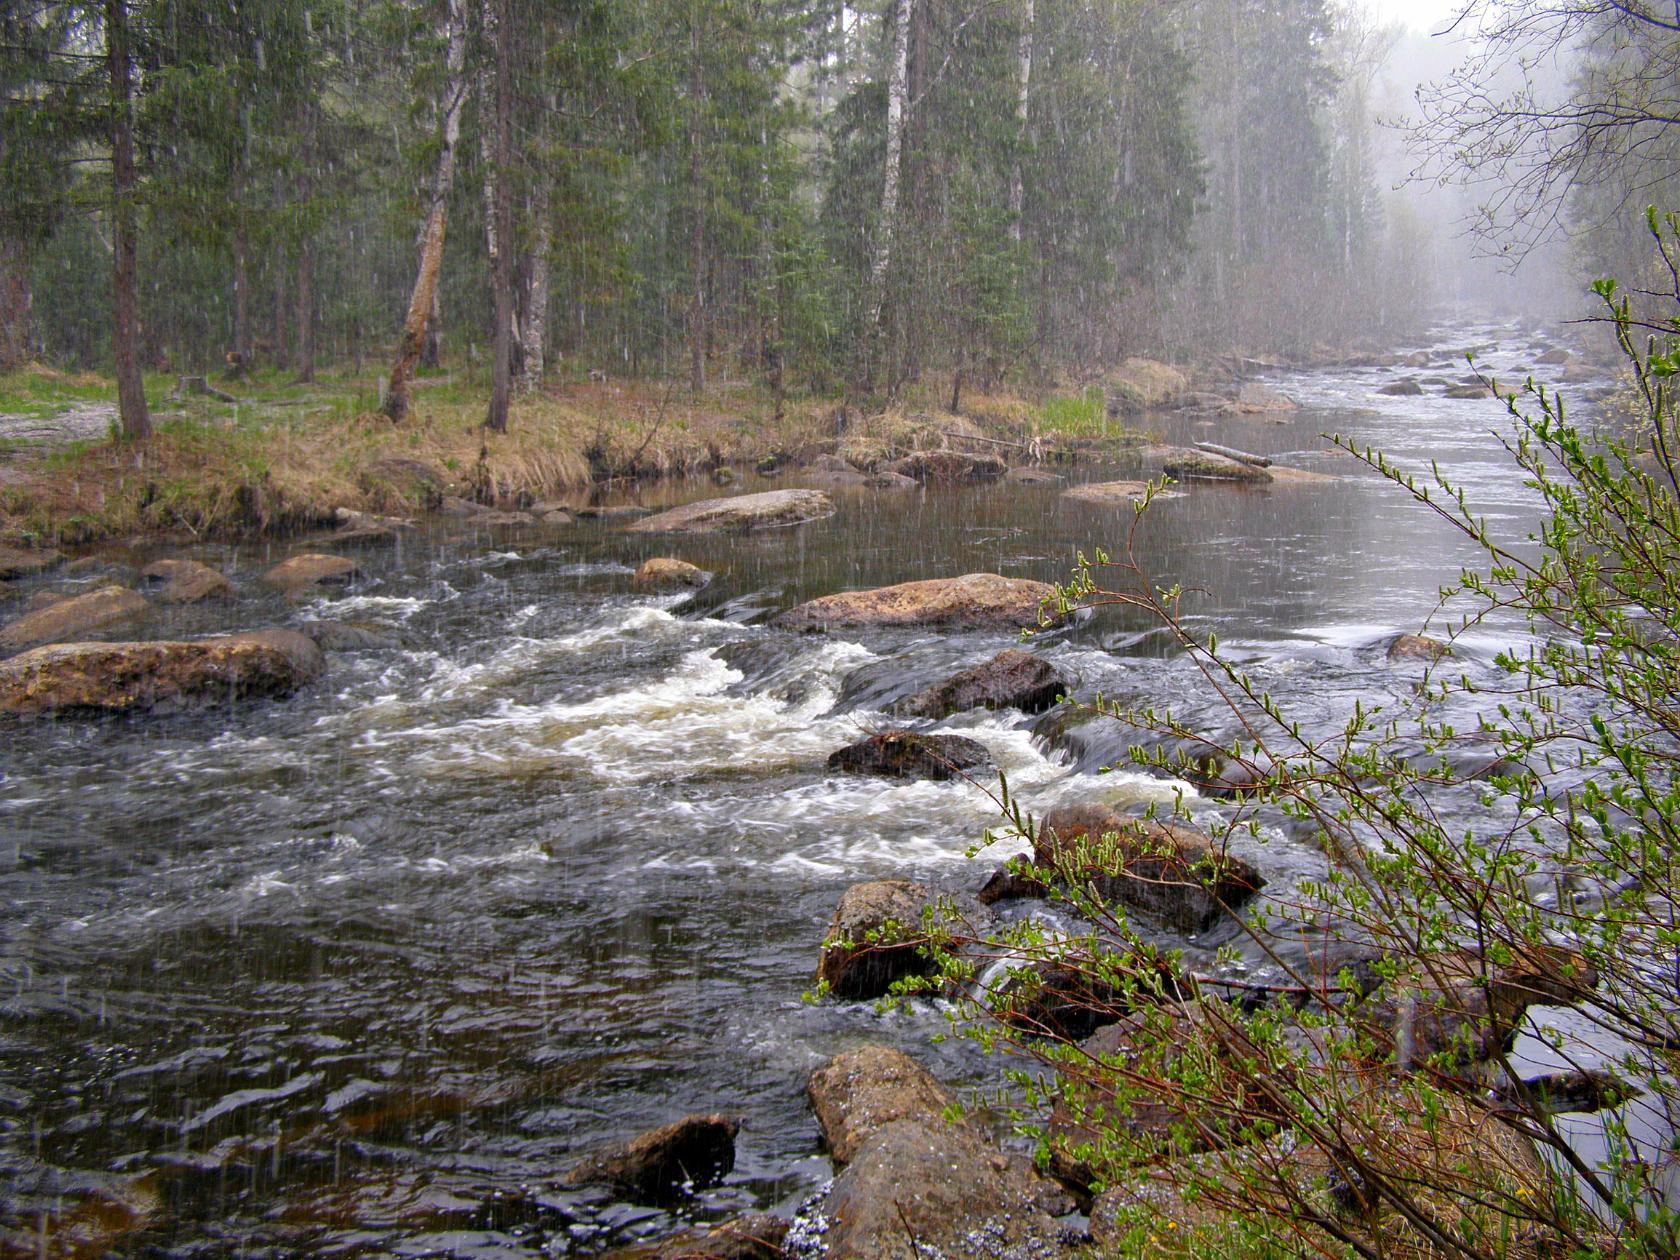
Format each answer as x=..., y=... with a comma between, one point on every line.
x=281, y=457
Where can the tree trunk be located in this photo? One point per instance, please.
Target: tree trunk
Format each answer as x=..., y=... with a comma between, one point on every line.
x=431, y=250
x=697, y=225
x=241, y=357
x=282, y=308
x=431, y=346
x=125, y=288
x=1017, y=184
x=306, y=311
x=537, y=280
x=502, y=218
x=879, y=266
x=17, y=321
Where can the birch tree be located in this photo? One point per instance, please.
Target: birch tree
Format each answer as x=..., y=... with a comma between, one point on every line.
x=431, y=248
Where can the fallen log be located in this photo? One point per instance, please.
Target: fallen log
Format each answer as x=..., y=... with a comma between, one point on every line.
x=201, y=385
x=1230, y=452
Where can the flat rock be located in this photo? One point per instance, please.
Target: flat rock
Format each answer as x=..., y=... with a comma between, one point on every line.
x=950, y=468
x=1204, y=466
x=1256, y=400
x=857, y=1094
x=885, y=479
x=1027, y=475
x=875, y=939
x=185, y=582
x=1165, y=869
x=160, y=676
x=1108, y=493
x=662, y=1164
x=666, y=573
x=1012, y=679
x=770, y=509
x=974, y=601
x=1282, y=476
x=16, y=562
x=80, y=616
x=911, y=755
x=299, y=573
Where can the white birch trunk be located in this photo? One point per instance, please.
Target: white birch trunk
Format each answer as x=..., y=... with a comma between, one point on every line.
x=898, y=75
x=1017, y=184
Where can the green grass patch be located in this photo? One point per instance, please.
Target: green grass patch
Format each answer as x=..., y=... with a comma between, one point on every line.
x=1077, y=415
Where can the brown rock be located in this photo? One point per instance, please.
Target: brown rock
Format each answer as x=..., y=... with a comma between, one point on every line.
x=1203, y=466
x=875, y=939
x=910, y=755
x=917, y=1182
x=974, y=601
x=163, y=676
x=665, y=573
x=43, y=599
x=756, y=1237
x=1259, y=400
x=771, y=509
x=661, y=1164
x=1167, y=870
x=298, y=574
x=185, y=582
x=1402, y=389
x=1417, y=647
x=1554, y=357
x=1108, y=493
x=884, y=479
x=1012, y=679
x=950, y=468
x=79, y=617
x=1138, y=384
x=16, y=563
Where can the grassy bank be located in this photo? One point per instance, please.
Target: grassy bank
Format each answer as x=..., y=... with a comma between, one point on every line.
x=285, y=456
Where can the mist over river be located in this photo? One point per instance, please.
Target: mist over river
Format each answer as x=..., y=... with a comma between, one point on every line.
x=361, y=972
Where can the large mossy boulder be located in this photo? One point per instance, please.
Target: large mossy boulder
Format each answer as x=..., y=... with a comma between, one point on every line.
x=1167, y=870
x=950, y=468
x=107, y=610
x=1012, y=679
x=875, y=939
x=72, y=679
x=916, y=1179
x=1205, y=466
x=666, y=573
x=16, y=562
x=772, y=509
x=1140, y=384
x=975, y=601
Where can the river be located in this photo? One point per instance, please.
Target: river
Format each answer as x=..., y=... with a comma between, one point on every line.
x=360, y=972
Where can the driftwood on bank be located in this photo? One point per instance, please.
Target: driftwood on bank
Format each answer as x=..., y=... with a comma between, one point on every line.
x=201, y=385
x=1230, y=452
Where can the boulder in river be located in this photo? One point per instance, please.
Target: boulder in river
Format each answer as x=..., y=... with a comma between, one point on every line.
x=1165, y=869
x=78, y=617
x=351, y=636
x=1255, y=400
x=1028, y=475
x=299, y=574
x=1417, y=647
x=1204, y=466
x=1402, y=389
x=916, y=1180
x=185, y=582
x=911, y=755
x=1012, y=679
x=665, y=573
x=160, y=676
x=16, y=562
x=950, y=468
x=758, y=1236
x=1108, y=493
x=664, y=1163
x=875, y=939
x=886, y=479
x=974, y=601
x=771, y=509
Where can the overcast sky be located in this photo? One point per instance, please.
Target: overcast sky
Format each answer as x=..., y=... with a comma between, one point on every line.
x=1420, y=15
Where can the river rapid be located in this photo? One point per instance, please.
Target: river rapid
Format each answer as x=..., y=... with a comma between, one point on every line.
x=361, y=972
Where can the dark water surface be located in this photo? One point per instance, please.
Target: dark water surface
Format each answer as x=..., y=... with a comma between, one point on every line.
x=361, y=972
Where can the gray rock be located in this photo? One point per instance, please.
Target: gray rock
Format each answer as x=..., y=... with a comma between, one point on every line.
x=111, y=608
x=772, y=509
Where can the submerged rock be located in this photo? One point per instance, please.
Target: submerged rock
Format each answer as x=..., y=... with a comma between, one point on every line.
x=1012, y=679
x=950, y=468
x=298, y=574
x=771, y=509
x=916, y=1180
x=77, y=617
x=351, y=636
x=661, y=1164
x=16, y=563
x=1108, y=493
x=1026, y=475
x=665, y=573
x=185, y=582
x=974, y=601
x=911, y=755
x=163, y=676
x=875, y=939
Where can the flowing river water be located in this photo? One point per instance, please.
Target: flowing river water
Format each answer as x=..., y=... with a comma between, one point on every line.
x=362, y=971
